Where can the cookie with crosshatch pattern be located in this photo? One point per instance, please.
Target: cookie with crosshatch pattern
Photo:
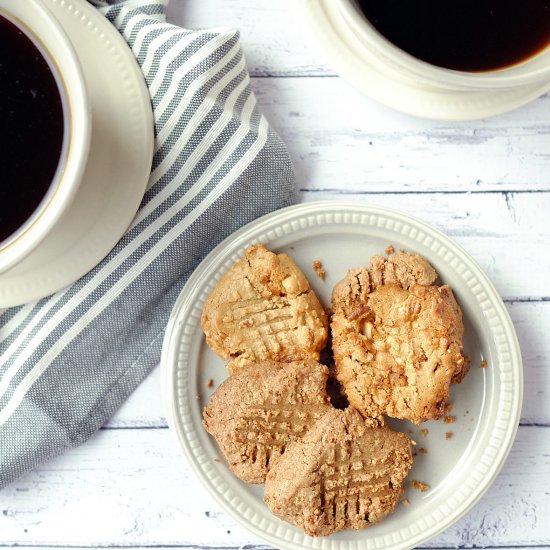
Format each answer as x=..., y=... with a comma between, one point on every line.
x=263, y=309
x=345, y=472
x=258, y=411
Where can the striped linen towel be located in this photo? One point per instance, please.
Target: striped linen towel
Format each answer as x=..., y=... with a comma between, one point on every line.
x=68, y=361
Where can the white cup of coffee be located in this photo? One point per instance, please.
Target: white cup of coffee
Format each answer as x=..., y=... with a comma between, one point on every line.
x=479, y=45
x=45, y=123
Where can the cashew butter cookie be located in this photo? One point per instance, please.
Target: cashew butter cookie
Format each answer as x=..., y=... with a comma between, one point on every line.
x=397, y=338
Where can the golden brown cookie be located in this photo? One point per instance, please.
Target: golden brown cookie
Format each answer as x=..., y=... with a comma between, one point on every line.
x=258, y=411
x=264, y=309
x=397, y=338
x=346, y=472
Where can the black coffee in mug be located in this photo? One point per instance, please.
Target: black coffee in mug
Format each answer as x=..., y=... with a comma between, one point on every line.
x=465, y=35
x=31, y=127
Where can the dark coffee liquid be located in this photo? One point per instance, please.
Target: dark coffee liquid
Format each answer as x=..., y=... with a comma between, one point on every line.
x=466, y=35
x=31, y=127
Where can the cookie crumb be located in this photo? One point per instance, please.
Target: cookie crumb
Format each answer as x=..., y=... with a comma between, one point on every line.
x=198, y=397
x=448, y=407
x=405, y=502
x=318, y=267
x=449, y=419
x=389, y=249
x=216, y=459
x=423, y=450
x=419, y=485
x=424, y=431
x=448, y=435
x=209, y=383
x=483, y=364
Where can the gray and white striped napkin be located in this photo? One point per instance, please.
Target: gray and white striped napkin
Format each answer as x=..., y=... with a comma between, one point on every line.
x=68, y=361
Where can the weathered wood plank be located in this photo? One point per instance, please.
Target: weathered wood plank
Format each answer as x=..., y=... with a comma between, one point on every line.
x=532, y=321
x=507, y=234
x=340, y=140
x=223, y=546
x=132, y=488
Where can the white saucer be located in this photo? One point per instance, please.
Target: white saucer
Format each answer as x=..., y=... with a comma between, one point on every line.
x=355, y=64
x=118, y=166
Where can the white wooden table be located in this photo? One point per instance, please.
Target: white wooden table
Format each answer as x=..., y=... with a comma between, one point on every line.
x=486, y=184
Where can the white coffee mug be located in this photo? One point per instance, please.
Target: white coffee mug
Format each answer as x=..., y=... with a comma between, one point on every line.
x=34, y=19
x=401, y=65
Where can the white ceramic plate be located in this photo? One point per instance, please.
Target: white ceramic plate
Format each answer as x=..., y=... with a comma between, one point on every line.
x=118, y=166
x=486, y=405
x=354, y=63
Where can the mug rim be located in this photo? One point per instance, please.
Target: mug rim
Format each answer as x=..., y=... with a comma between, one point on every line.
x=423, y=72
x=76, y=132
